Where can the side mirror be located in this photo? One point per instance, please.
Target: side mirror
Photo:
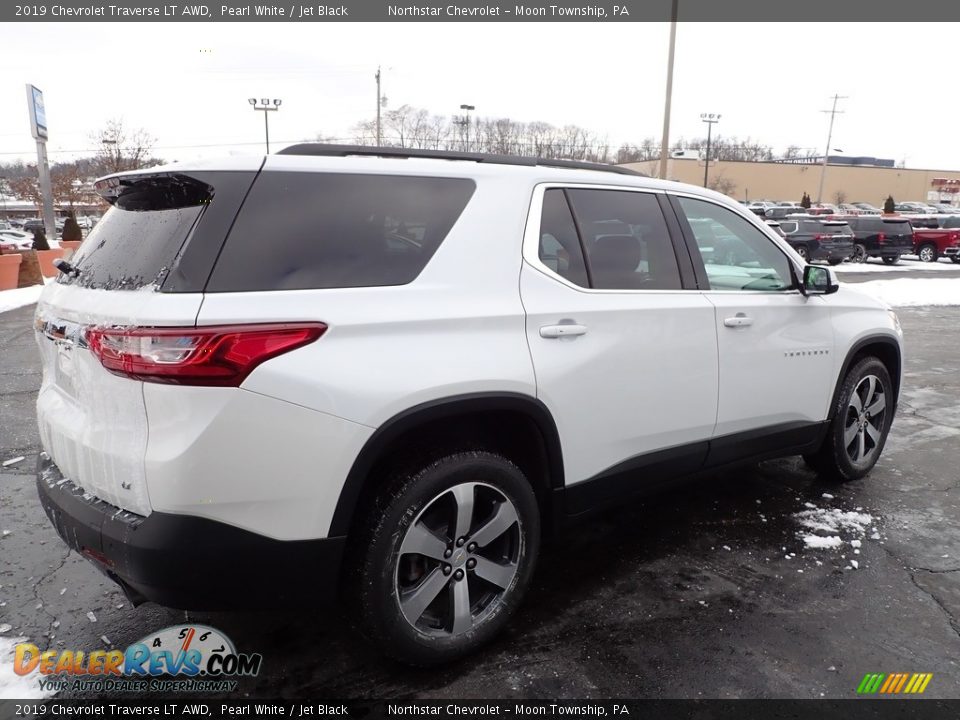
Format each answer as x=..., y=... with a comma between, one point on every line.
x=818, y=280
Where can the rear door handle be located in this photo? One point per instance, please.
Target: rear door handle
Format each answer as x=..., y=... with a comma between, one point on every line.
x=559, y=331
x=738, y=320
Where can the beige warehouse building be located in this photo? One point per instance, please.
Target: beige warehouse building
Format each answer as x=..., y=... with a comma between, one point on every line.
x=788, y=181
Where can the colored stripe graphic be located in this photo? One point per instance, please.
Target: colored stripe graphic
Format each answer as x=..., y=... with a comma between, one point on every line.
x=894, y=683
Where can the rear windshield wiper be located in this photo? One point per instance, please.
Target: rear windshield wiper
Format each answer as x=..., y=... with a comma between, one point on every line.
x=66, y=268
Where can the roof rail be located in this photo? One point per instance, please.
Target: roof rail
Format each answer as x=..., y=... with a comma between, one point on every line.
x=323, y=149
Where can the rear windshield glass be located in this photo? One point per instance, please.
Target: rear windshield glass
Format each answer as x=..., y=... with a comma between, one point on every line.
x=131, y=249
x=835, y=229
x=326, y=230
x=875, y=224
x=138, y=239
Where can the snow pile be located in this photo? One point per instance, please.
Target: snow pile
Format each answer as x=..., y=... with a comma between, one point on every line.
x=907, y=292
x=876, y=266
x=825, y=525
x=13, y=686
x=12, y=299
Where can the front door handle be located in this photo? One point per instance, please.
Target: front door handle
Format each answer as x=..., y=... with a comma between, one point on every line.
x=738, y=320
x=559, y=331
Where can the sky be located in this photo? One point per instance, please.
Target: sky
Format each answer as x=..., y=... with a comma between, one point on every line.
x=188, y=84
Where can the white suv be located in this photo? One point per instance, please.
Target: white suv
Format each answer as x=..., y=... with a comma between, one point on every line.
x=391, y=372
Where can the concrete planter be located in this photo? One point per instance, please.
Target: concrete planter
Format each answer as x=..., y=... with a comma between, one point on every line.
x=10, y=271
x=46, y=258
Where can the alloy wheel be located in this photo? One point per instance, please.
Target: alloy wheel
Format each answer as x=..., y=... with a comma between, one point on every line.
x=927, y=253
x=457, y=559
x=865, y=420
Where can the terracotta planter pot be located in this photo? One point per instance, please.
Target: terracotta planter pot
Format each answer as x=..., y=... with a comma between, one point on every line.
x=9, y=271
x=46, y=258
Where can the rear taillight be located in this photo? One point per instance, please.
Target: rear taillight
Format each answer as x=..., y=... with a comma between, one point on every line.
x=819, y=237
x=219, y=355
x=881, y=237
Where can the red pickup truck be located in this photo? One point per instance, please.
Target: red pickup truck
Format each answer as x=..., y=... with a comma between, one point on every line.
x=929, y=244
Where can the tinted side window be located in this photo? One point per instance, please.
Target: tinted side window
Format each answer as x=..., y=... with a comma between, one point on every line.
x=745, y=258
x=325, y=230
x=626, y=240
x=559, y=244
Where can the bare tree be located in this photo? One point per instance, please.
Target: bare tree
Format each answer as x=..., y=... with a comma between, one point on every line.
x=723, y=184
x=120, y=149
x=27, y=188
x=839, y=197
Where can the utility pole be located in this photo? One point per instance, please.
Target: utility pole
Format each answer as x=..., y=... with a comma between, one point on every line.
x=710, y=119
x=665, y=140
x=826, y=154
x=377, y=76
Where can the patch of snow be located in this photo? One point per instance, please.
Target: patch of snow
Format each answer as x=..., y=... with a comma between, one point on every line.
x=828, y=496
x=855, y=564
x=6, y=532
x=818, y=542
x=911, y=292
x=833, y=520
x=6, y=627
x=878, y=266
x=13, y=461
x=855, y=543
x=810, y=505
x=727, y=548
x=91, y=617
x=875, y=536
x=13, y=299
x=13, y=686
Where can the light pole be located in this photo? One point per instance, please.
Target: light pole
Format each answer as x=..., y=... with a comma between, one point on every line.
x=265, y=105
x=665, y=140
x=464, y=122
x=112, y=154
x=379, y=102
x=826, y=154
x=3, y=194
x=709, y=119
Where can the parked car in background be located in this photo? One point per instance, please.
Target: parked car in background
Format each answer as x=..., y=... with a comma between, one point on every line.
x=930, y=244
x=775, y=226
x=947, y=209
x=817, y=239
x=849, y=209
x=883, y=236
x=924, y=221
x=17, y=239
x=867, y=209
x=916, y=208
x=823, y=209
x=780, y=212
x=760, y=207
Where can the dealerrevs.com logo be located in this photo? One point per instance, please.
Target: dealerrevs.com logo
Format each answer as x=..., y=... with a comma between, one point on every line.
x=188, y=658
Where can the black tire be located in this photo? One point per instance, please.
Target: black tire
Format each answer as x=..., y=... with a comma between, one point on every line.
x=928, y=253
x=835, y=261
x=859, y=253
x=802, y=252
x=835, y=459
x=891, y=259
x=955, y=259
x=382, y=573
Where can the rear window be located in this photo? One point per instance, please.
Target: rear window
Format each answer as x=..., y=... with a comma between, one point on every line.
x=137, y=241
x=301, y=231
x=835, y=229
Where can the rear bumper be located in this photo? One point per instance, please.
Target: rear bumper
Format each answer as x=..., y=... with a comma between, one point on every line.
x=187, y=562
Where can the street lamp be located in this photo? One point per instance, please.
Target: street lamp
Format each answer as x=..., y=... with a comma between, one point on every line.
x=113, y=154
x=266, y=106
x=710, y=119
x=464, y=122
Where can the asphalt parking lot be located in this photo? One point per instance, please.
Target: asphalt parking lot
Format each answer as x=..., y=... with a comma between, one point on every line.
x=708, y=591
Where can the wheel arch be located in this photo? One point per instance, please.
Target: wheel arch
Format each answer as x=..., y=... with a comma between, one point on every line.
x=886, y=349
x=480, y=420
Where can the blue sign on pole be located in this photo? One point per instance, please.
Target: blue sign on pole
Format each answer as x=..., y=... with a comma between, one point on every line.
x=38, y=113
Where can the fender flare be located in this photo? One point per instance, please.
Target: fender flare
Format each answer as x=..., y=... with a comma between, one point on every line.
x=889, y=340
x=448, y=407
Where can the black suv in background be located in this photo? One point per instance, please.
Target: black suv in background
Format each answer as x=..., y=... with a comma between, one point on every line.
x=817, y=239
x=878, y=236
